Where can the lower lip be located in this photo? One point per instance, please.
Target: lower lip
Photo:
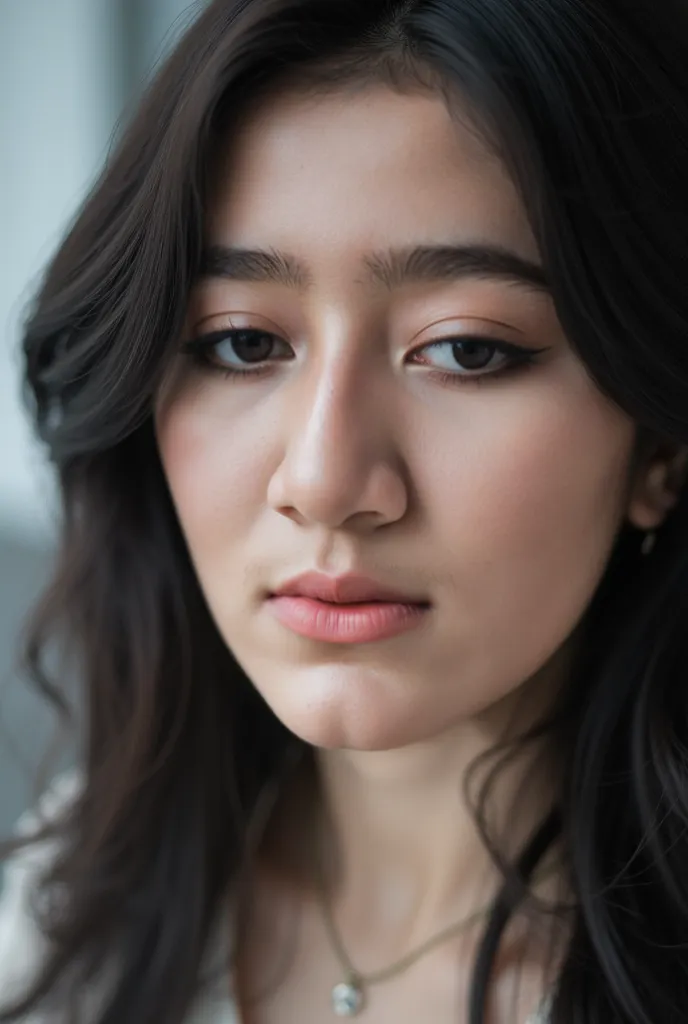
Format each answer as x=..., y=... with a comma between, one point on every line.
x=346, y=623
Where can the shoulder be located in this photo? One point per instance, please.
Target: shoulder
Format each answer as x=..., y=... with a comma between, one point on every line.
x=22, y=944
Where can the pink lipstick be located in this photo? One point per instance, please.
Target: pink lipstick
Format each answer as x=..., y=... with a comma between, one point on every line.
x=349, y=609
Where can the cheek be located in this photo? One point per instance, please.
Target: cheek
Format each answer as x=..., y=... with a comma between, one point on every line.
x=534, y=463
x=210, y=464
x=527, y=514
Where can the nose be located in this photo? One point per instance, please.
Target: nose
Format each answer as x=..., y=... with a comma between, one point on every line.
x=339, y=467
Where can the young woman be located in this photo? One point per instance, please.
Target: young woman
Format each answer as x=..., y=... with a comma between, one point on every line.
x=364, y=370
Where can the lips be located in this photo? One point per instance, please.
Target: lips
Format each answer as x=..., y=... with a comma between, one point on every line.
x=350, y=588
x=348, y=609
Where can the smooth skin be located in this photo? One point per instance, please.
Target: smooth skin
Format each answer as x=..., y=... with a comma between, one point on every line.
x=358, y=447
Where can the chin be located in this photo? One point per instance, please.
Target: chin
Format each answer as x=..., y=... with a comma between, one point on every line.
x=336, y=735
x=337, y=712
x=339, y=735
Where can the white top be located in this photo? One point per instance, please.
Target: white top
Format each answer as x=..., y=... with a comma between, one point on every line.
x=22, y=945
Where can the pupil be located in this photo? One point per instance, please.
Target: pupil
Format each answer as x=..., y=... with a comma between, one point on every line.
x=252, y=346
x=472, y=355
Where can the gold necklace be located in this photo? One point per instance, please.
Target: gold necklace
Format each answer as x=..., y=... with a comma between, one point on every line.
x=349, y=996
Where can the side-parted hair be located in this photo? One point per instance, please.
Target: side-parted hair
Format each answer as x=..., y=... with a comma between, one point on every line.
x=586, y=102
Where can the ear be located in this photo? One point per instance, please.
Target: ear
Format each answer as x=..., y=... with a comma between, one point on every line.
x=657, y=485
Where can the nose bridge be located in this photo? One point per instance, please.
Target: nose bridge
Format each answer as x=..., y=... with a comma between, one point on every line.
x=335, y=433
x=342, y=363
x=336, y=404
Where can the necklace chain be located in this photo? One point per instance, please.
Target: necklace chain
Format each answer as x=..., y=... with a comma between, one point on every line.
x=405, y=961
x=348, y=997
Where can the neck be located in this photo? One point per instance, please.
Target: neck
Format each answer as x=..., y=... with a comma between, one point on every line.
x=401, y=845
x=405, y=847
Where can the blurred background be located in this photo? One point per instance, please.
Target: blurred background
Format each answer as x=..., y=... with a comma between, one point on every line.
x=69, y=72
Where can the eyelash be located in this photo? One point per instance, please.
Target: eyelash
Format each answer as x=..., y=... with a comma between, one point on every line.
x=520, y=358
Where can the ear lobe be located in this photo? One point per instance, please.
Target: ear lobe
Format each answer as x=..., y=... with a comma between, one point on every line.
x=656, y=489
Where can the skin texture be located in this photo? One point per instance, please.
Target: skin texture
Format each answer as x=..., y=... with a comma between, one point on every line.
x=496, y=500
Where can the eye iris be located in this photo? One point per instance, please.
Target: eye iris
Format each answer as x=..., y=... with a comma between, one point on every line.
x=472, y=355
x=252, y=346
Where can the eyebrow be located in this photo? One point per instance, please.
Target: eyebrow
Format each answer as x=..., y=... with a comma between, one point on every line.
x=391, y=269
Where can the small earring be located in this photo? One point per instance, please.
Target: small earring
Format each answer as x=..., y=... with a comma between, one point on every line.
x=648, y=542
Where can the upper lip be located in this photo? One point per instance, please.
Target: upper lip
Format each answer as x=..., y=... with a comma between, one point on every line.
x=349, y=588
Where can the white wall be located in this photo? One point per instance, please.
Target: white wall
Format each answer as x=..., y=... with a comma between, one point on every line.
x=59, y=94
x=62, y=82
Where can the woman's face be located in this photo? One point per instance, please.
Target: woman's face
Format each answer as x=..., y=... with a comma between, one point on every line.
x=370, y=416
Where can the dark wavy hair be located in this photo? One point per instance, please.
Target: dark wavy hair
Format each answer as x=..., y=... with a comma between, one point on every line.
x=586, y=101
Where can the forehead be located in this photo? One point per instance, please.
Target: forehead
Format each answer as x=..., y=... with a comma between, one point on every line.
x=346, y=174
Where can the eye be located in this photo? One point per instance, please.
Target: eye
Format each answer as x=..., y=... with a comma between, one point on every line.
x=467, y=357
x=240, y=350
x=252, y=351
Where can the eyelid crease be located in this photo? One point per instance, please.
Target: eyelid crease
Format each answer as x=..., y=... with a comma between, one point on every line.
x=220, y=334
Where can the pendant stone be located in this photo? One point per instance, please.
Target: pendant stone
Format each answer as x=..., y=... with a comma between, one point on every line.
x=347, y=998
